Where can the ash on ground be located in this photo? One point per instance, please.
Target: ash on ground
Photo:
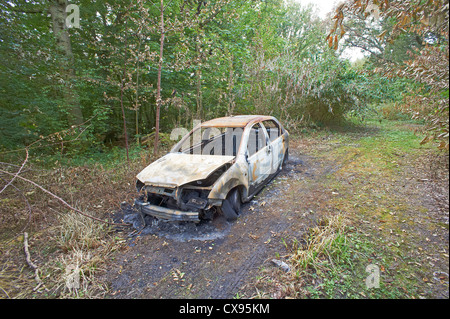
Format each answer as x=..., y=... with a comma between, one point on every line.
x=178, y=231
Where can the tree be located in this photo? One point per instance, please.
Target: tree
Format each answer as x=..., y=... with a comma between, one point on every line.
x=427, y=64
x=57, y=11
x=58, y=14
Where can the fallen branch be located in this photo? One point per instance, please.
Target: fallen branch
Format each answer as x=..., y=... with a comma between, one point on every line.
x=30, y=263
x=29, y=209
x=18, y=172
x=62, y=200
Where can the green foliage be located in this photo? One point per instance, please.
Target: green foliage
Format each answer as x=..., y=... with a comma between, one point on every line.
x=225, y=57
x=409, y=40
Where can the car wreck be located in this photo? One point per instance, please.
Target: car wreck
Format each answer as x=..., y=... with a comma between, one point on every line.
x=219, y=165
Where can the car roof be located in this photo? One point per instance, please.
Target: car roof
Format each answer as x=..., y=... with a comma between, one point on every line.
x=236, y=121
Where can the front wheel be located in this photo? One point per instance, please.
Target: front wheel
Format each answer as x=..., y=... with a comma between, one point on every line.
x=231, y=206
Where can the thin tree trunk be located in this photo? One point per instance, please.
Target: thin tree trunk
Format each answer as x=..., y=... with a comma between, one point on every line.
x=158, y=89
x=199, y=94
x=137, y=90
x=123, y=113
x=231, y=103
x=198, y=74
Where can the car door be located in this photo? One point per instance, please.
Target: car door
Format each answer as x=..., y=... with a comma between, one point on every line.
x=259, y=157
x=275, y=142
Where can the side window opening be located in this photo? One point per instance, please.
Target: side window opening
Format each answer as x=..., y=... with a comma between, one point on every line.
x=256, y=140
x=273, y=130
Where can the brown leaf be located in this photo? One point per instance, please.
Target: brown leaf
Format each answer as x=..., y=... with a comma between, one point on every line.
x=425, y=140
x=381, y=36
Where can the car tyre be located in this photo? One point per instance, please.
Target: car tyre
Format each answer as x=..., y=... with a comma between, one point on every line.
x=284, y=162
x=286, y=157
x=231, y=206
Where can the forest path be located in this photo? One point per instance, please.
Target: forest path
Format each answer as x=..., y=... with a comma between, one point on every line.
x=351, y=172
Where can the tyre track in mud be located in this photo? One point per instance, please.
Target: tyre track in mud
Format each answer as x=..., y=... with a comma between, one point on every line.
x=215, y=259
x=272, y=223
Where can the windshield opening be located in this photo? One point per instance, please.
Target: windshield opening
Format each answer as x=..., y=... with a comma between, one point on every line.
x=219, y=141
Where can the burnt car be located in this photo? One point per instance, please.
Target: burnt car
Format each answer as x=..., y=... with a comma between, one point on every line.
x=219, y=165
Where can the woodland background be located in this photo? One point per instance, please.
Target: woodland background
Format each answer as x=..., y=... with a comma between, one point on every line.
x=131, y=69
x=83, y=110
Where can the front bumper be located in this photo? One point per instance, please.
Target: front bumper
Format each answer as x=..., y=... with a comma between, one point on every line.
x=166, y=214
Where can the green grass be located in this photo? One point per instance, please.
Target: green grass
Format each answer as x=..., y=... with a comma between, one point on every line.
x=337, y=269
x=381, y=159
x=374, y=162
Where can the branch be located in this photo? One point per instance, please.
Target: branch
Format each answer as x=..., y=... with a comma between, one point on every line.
x=167, y=5
x=63, y=201
x=18, y=172
x=30, y=146
x=30, y=263
x=29, y=208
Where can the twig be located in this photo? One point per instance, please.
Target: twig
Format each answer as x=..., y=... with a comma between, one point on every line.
x=63, y=201
x=30, y=263
x=29, y=210
x=9, y=164
x=18, y=172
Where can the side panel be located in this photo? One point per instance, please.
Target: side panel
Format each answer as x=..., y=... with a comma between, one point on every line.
x=260, y=165
x=237, y=175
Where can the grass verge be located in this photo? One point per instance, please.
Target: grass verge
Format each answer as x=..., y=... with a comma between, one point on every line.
x=385, y=213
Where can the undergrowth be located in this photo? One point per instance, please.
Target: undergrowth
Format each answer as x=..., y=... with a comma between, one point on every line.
x=63, y=242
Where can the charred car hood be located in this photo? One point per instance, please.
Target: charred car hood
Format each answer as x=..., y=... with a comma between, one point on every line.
x=176, y=169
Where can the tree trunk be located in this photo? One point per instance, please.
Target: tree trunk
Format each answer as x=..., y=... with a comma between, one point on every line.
x=58, y=13
x=231, y=102
x=199, y=94
x=198, y=74
x=122, y=86
x=137, y=90
x=158, y=89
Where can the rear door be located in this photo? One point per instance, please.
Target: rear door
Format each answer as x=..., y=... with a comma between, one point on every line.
x=275, y=142
x=259, y=156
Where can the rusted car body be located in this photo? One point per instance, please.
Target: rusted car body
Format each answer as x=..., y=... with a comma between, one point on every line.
x=216, y=167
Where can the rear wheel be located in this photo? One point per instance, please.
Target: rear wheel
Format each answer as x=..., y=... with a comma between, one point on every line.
x=286, y=157
x=231, y=206
x=284, y=162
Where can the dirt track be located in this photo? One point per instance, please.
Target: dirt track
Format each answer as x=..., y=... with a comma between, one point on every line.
x=214, y=259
